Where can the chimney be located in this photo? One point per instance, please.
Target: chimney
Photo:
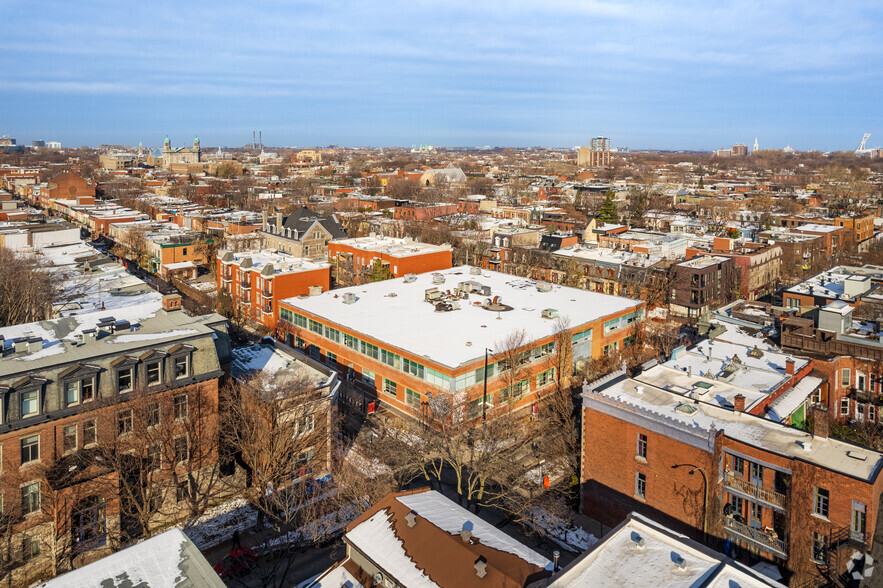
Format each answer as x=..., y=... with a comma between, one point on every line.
x=739, y=403
x=35, y=344
x=21, y=344
x=465, y=535
x=481, y=567
x=820, y=422
x=411, y=518
x=278, y=222
x=264, y=219
x=171, y=302
x=789, y=366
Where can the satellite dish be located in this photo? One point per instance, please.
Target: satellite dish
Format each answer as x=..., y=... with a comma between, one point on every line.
x=378, y=578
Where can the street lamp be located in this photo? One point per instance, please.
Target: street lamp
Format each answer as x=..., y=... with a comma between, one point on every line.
x=484, y=397
x=705, y=504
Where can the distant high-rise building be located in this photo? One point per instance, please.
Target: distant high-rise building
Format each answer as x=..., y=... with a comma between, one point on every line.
x=740, y=150
x=7, y=141
x=53, y=144
x=38, y=143
x=597, y=154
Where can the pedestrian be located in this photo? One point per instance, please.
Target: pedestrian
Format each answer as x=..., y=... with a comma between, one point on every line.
x=236, y=540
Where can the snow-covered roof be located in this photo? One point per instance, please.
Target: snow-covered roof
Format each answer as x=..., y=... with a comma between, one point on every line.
x=167, y=560
x=276, y=364
x=645, y=394
x=641, y=552
x=394, y=246
x=424, y=540
x=395, y=313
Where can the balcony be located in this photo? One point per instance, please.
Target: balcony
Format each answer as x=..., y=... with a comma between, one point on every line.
x=226, y=277
x=245, y=285
x=266, y=294
x=763, y=539
x=744, y=488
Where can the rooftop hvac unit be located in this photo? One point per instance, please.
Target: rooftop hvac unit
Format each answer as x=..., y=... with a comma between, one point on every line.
x=475, y=271
x=550, y=313
x=409, y=278
x=315, y=290
x=349, y=298
x=483, y=290
x=438, y=278
x=432, y=294
x=544, y=287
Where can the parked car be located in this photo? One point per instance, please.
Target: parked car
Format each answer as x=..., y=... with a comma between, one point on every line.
x=237, y=563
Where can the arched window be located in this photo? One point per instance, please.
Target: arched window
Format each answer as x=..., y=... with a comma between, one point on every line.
x=89, y=524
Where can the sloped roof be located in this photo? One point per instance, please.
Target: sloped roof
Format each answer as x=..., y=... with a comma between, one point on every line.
x=303, y=218
x=432, y=552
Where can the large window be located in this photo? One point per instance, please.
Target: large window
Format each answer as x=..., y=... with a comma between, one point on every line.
x=845, y=377
x=640, y=485
x=153, y=414
x=30, y=547
x=350, y=341
x=182, y=449
x=90, y=433
x=182, y=366
x=306, y=424
x=821, y=501
x=515, y=391
x=389, y=387
x=30, y=449
x=30, y=403
x=316, y=327
x=30, y=498
x=412, y=398
x=154, y=373
x=303, y=464
x=844, y=406
x=370, y=350
x=89, y=524
x=479, y=406
x=545, y=378
x=182, y=407
x=642, y=446
x=125, y=423
x=69, y=438
x=368, y=378
x=125, y=380
x=332, y=334
x=413, y=368
x=389, y=358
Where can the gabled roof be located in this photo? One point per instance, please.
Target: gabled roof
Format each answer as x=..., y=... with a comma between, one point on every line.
x=303, y=219
x=441, y=544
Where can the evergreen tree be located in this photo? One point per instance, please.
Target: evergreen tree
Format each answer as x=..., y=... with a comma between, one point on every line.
x=607, y=213
x=380, y=272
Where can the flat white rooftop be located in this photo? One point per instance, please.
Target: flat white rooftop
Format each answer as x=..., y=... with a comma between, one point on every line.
x=394, y=246
x=282, y=263
x=395, y=312
x=643, y=553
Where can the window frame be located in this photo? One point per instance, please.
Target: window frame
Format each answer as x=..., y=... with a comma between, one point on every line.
x=641, y=451
x=125, y=416
x=120, y=372
x=90, y=425
x=821, y=506
x=64, y=438
x=29, y=505
x=159, y=375
x=640, y=486
x=185, y=357
x=182, y=408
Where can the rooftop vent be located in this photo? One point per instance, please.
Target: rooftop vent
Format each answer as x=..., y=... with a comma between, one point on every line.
x=438, y=278
x=410, y=278
x=481, y=567
x=315, y=290
x=550, y=313
x=349, y=298
x=544, y=286
x=475, y=271
x=411, y=518
x=35, y=344
x=465, y=535
x=432, y=294
x=21, y=344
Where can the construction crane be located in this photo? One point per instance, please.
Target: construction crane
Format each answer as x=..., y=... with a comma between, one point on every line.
x=861, y=146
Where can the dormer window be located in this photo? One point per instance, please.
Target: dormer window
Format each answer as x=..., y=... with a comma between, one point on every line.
x=30, y=403
x=78, y=391
x=182, y=366
x=154, y=373
x=125, y=380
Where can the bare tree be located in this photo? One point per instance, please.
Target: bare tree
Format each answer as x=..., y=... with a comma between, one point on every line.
x=28, y=289
x=132, y=245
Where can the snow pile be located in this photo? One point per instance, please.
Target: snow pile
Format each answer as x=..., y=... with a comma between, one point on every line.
x=217, y=524
x=138, y=337
x=562, y=532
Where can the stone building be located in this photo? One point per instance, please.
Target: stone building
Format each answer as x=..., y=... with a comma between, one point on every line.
x=180, y=154
x=301, y=233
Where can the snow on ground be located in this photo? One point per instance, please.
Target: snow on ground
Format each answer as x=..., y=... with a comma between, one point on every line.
x=450, y=517
x=217, y=524
x=563, y=532
x=323, y=528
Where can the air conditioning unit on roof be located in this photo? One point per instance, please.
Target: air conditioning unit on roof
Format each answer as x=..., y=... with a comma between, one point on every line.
x=409, y=278
x=550, y=313
x=349, y=298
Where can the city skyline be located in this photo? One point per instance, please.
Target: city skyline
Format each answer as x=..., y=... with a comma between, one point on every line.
x=670, y=76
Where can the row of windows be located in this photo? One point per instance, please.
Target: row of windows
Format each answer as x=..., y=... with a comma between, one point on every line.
x=30, y=446
x=415, y=369
x=622, y=322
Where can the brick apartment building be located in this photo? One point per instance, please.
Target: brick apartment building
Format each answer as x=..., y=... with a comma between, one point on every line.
x=762, y=490
x=759, y=265
x=702, y=284
x=403, y=341
x=78, y=383
x=353, y=259
x=258, y=280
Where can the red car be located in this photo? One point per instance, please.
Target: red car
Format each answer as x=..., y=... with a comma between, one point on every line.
x=236, y=563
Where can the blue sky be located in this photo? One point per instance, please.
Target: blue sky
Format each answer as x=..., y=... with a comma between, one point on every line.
x=647, y=74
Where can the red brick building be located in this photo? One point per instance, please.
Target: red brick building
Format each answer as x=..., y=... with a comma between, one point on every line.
x=257, y=280
x=765, y=491
x=353, y=259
